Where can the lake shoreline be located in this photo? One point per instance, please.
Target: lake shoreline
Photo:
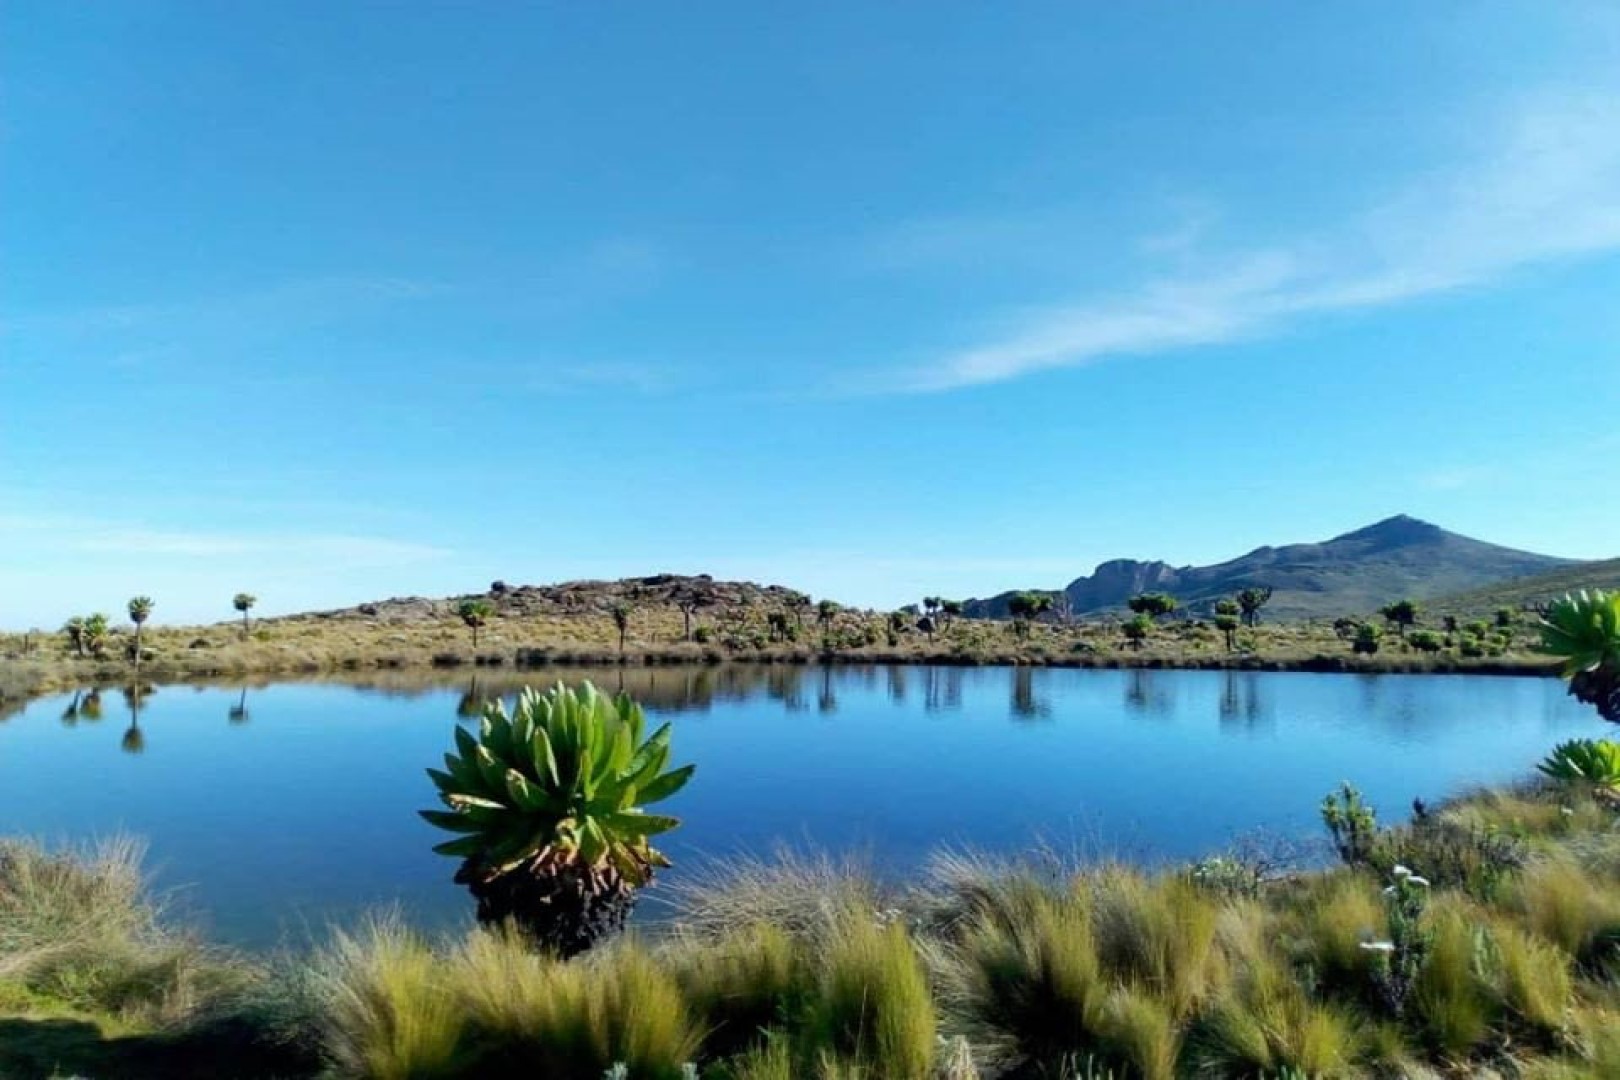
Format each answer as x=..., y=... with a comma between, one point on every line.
x=25, y=680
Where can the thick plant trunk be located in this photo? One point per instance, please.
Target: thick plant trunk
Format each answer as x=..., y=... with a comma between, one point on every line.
x=562, y=908
x=1599, y=689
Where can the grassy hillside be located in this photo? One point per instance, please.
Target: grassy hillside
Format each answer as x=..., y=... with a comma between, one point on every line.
x=1531, y=592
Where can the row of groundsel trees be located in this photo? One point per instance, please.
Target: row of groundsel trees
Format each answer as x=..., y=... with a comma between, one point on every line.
x=475, y=614
x=1231, y=612
x=88, y=635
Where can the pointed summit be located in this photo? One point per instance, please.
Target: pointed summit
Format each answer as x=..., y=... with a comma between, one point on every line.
x=1398, y=531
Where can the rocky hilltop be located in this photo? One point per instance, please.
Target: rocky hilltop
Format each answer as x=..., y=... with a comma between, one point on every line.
x=700, y=592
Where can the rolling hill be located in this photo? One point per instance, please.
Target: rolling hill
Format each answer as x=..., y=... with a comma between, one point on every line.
x=1532, y=591
x=1354, y=573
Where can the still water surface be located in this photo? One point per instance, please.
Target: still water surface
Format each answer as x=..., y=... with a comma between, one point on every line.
x=277, y=809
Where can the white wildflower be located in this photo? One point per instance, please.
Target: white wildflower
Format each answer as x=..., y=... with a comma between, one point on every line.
x=1379, y=946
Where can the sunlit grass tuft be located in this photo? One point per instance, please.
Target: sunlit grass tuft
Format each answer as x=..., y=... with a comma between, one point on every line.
x=1452, y=1004
x=1557, y=899
x=873, y=1006
x=1267, y=1023
x=389, y=1013
x=740, y=985
x=1156, y=934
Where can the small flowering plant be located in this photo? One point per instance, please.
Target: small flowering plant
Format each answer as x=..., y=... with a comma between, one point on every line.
x=1398, y=960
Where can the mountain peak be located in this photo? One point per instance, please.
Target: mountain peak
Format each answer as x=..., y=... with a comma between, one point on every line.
x=1396, y=531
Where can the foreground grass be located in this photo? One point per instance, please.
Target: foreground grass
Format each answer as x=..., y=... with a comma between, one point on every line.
x=805, y=967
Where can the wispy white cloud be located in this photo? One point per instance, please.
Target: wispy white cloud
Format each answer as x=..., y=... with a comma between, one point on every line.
x=93, y=536
x=1458, y=477
x=1546, y=188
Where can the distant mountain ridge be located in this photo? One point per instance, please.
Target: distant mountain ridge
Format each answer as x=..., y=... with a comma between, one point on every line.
x=1355, y=573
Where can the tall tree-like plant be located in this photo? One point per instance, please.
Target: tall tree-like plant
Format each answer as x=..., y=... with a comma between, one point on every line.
x=689, y=601
x=1154, y=605
x=952, y=609
x=140, y=609
x=621, y=622
x=1137, y=629
x=1583, y=631
x=1401, y=615
x=73, y=630
x=95, y=632
x=1227, y=616
x=474, y=614
x=548, y=805
x=244, y=602
x=1025, y=607
x=826, y=612
x=1251, y=600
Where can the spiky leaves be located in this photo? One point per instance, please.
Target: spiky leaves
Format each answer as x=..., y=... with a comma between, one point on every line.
x=548, y=805
x=1583, y=631
x=1593, y=763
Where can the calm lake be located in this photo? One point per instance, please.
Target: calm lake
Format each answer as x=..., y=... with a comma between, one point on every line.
x=273, y=810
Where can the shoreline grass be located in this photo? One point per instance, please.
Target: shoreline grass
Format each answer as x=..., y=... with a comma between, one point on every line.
x=988, y=968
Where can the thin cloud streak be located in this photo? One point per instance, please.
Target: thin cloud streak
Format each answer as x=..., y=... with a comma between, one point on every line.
x=1549, y=190
x=102, y=537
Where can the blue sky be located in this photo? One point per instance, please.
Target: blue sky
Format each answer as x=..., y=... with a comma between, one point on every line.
x=330, y=302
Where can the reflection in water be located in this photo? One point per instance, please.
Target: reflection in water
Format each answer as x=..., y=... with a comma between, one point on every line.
x=827, y=699
x=90, y=707
x=134, y=741
x=786, y=684
x=471, y=705
x=1025, y=704
x=897, y=684
x=942, y=689
x=1243, y=705
x=70, y=715
x=238, y=713
x=1146, y=693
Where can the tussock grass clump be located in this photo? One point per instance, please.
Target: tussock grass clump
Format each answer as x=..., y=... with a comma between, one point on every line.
x=1156, y=934
x=397, y=1008
x=1323, y=923
x=1140, y=1031
x=79, y=927
x=1540, y=816
x=389, y=1014
x=739, y=986
x=1030, y=988
x=1267, y=1023
x=1560, y=901
x=1532, y=980
x=1453, y=1005
x=873, y=1007
x=802, y=893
